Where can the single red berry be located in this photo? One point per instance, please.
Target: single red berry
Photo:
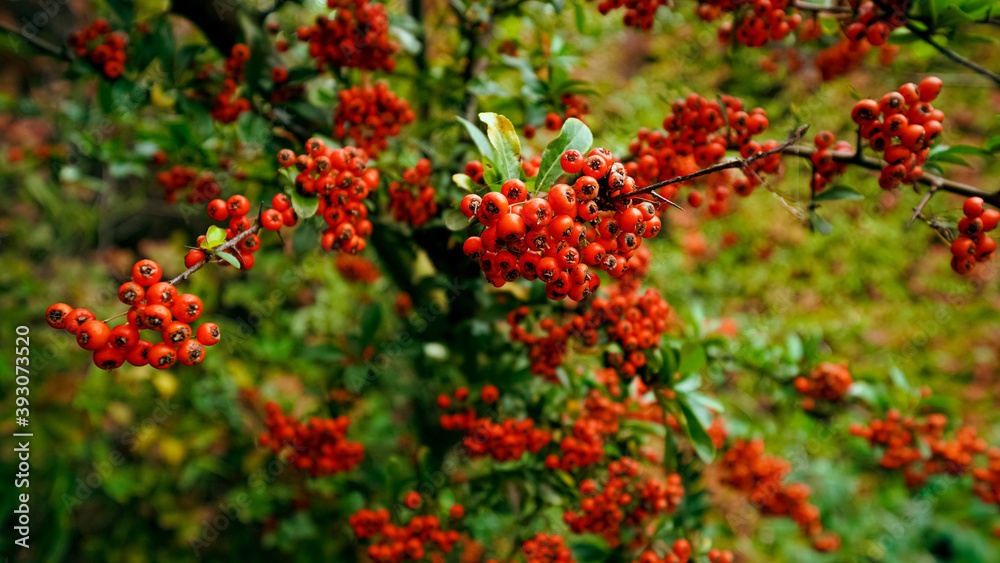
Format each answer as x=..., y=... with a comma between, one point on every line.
x=176, y=333
x=161, y=356
x=271, y=220
x=93, y=335
x=109, y=358
x=155, y=317
x=193, y=257
x=217, y=210
x=187, y=307
x=58, y=315
x=137, y=354
x=191, y=352
x=208, y=334
x=124, y=336
x=238, y=206
x=146, y=273
x=973, y=207
x=163, y=293
x=413, y=500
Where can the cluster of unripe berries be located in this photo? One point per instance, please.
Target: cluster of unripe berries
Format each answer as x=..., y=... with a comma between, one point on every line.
x=179, y=178
x=369, y=116
x=625, y=500
x=766, y=20
x=226, y=108
x=341, y=179
x=566, y=237
x=154, y=305
x=745, y=467
x=358, y=36
x=972, y=246
x=901, y=127
x=319, y=447
x=696, y=135
x=412, y=200
x=104, y=48
x=421, y=538
x=898, y=437
x=828, y=382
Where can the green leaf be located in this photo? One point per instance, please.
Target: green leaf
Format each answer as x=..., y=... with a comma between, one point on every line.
x=371, y=318
x=993, y=144
x=463, y=181
x=574, y=135
x=125, y=9
x=819, y=224
x=693, y=358
x=695, y=429
x=228, y=258
x=409, y=41
x=838, y=191
x=899, y=379
x=214, y=237
x=482, y=143
x=579, y=17
x=305, y=206
x=454, y=220
x=506, y=145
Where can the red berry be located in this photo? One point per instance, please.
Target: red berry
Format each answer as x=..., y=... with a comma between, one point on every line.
x=93, y=335
x=58, y=315
x=208, y=334
x=187, y=307
x=973, y=207
x=146, y=273
x=161, y=356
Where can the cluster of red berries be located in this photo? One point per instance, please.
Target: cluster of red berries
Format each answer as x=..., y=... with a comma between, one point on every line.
x=901, y=126
x=369, y=116
x=412, y=200
x=178, y=178
x=319, y=446
x=154, y=305
x=873, y=24
x=358, y=36
x=341, y=179
x=560, y=237
x=356, y=269
x=104, y=48
x=226, y=108
x=680, y=552
x=828, y=382
x=898, y=436
x=236, y=209
x=824, y=166
x=573, y=105
x=972, y=245
x=638, y=13
x=545, y=548
x=581, y=448
x=745, y=467
x=697, y=134
x=418, y=540
x=766, y=20
x=634, y=320
x=624, y=500
x=282, y=92
x=475, y=171
x=987, y=479
x=506, y=441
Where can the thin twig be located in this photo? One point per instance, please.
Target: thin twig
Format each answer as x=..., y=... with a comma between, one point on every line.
x=743, y=163
x=943, y=184
x=929, y=39
x=221, y=248
x=821, y=9
x=918, y=210
x=36, y=42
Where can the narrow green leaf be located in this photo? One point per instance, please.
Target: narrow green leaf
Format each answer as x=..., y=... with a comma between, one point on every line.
x=899, y=379
x=702, y=442
x=371, y=318
x=506, y=145
x=820, y=224
x=482, y=143
x=228, y=258
x=838, y=191
x=574, y=135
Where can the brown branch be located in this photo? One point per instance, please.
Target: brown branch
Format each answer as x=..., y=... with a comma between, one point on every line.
x=821, y=9
x=38, y=43
x=793, y=138
x=943, y=184
x=929, y=39
x=221, y=248
x=918, y=210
